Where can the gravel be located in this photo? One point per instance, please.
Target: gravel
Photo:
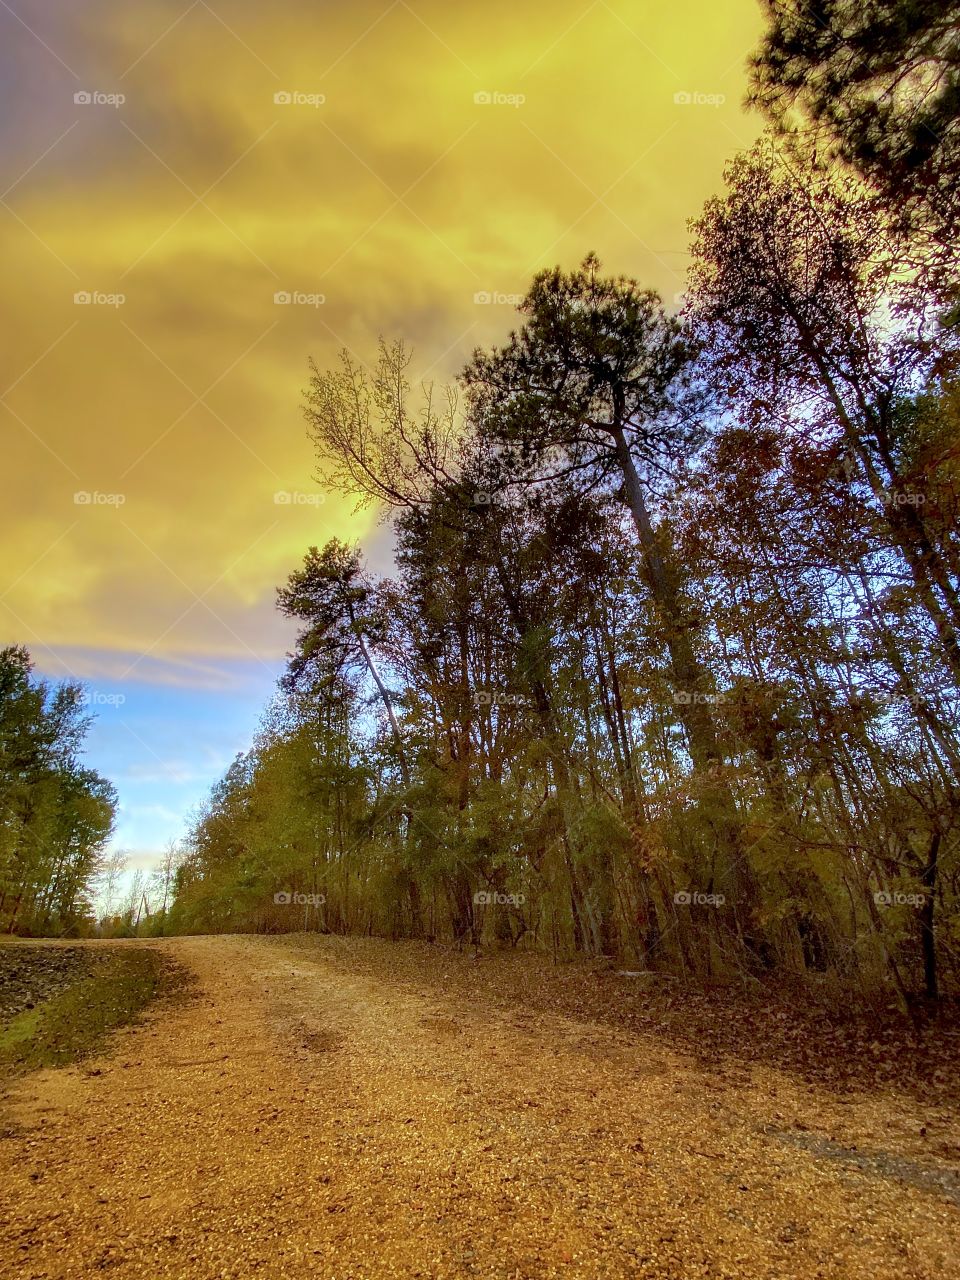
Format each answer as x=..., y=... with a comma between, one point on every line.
x=353, y=1112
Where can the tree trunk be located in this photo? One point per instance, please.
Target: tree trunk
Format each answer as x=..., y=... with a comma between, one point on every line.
x=690, y=679
x=927, y=938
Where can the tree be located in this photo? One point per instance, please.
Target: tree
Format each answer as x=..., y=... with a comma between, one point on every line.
x=803, y=307
x=880, y=80
x=55, y=815
x=373, y=439
x=332, y=594
x=595, y=384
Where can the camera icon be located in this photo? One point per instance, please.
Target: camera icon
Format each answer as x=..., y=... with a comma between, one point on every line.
x=682, y=699
x=282, y=498
x=83, y=499
x=82, y=299
x=282, y=98
x=283, y=899
x=483, y=98
x=282, y=299
x=683, y=898
x=682, y=99
x=481, y=499
x=482, y=898
x=883, y=899
x=82, y=98
x=483, y=298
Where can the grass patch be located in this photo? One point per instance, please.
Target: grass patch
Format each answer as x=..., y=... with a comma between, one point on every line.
x=73, y=1023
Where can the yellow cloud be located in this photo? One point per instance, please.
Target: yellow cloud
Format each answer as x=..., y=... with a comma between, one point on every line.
x=400, y=199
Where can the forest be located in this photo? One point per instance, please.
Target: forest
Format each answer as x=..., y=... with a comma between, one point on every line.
x=667, y=669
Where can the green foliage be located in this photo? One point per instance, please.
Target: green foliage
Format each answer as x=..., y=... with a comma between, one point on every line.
x=55, y=815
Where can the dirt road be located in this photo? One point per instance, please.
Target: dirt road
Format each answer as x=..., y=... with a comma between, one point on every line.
x=303, y=1115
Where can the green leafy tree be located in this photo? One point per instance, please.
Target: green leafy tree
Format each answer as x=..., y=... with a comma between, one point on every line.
x=55, y=815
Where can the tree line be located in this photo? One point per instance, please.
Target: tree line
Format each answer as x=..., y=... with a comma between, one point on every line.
x=668, y=666
x=56, y=815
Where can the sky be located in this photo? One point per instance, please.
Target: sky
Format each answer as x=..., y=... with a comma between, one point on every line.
x=198, y=197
